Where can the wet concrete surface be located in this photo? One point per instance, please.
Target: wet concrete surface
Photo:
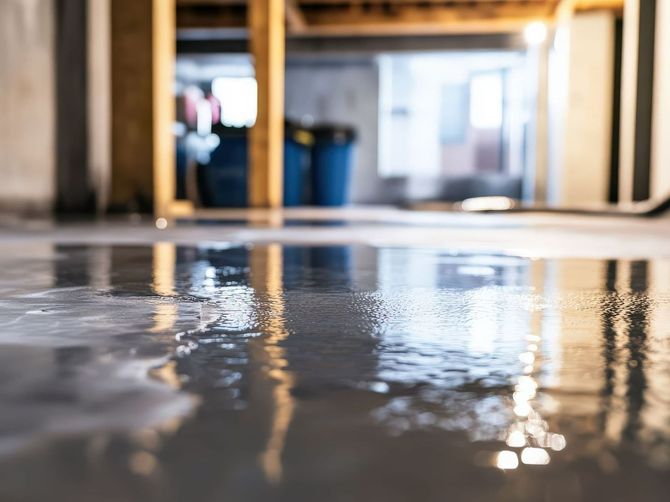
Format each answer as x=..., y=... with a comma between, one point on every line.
x=264, y=372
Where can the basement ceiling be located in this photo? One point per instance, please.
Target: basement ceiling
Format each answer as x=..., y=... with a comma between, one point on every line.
x=390, y=17
x=376, y=17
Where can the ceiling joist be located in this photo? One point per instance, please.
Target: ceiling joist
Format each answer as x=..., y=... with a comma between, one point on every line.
x=390, y=17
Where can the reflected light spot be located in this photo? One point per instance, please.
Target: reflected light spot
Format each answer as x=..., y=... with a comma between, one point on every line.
x=147, y=438
x=167, y=373
x=526, y=384
x=516, y=439
x=379, y=387
x=161, y=223
x=142, y=463
x=477, y=271
x=507, y=460
x=527, y=358
x=522, y=409
x=557, y=442
x=534, y=456
x=487, y=204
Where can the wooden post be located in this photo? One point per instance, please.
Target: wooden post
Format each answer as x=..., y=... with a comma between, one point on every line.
x=266, y=141
x=164, y=52
x=143, y=49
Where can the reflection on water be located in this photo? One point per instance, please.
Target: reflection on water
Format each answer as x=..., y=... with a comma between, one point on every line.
x=332, y=373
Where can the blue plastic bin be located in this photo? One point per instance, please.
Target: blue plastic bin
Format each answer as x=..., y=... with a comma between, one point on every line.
x=331, y=164
x=297, y=143
x=223, y=181
x=182, y=164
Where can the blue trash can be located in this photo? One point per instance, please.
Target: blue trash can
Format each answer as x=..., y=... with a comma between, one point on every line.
x=297, y=143
x=181, y=164
x=331, y=164
x=223, y=181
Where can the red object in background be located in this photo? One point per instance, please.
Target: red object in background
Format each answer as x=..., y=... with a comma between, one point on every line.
x=216, y=108
x=192, y=95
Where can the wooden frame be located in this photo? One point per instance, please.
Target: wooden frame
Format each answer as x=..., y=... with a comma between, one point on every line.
x=266, y=138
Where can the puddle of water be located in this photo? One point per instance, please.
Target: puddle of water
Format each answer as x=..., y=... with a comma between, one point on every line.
x=330, y=373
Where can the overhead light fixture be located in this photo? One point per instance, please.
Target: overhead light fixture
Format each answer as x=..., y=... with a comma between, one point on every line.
x=535, y=33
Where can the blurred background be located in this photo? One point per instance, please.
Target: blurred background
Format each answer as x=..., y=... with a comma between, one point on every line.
x=172, y=106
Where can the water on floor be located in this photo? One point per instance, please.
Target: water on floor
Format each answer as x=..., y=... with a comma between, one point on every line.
x=340, y=373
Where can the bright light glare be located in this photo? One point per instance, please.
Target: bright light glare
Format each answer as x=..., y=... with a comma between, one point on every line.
x=522, y=410
x=238, y=98
x=527, y=357
x=486, y=101
x=507, y=460
x=516, y=439
x=557, y=442
x=534, y=456
x=535, y=33
x=493, y=203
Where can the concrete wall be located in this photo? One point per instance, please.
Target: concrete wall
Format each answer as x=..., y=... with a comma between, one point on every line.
x=99, y=98
x=584, y=168
x=660, y=173
x=27, y=161
x=628, y=98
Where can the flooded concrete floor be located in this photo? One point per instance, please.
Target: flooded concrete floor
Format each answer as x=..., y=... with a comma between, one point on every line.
x=167, y=371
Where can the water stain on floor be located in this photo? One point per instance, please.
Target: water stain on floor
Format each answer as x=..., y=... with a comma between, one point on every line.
x=338, y=373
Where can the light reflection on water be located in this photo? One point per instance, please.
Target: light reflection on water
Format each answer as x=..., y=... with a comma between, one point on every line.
x=299, y=368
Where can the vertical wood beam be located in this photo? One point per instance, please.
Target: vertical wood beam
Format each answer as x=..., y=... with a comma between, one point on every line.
x=132, y=148
x=266, y=140
x=164, y=53
x=143, y=52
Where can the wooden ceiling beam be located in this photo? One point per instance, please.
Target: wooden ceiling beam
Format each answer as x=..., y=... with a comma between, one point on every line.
x=489, y=16
x=445, y=3
x=569, y=7
x=405, y=19
x=295, y=19
x=233, y=16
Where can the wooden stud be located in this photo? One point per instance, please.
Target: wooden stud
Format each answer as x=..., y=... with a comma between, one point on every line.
x=163, y=61
x=399, y=17
x=266, y=141
x=143, y=50
x=131, y=145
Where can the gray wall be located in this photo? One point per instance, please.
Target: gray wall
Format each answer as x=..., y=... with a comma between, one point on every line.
x=27, y=112
x=346, y=92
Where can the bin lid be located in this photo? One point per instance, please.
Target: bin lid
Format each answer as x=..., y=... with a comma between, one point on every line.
x=292, y=130
x=337, y=133
x=299, y=134
x=229, y=131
